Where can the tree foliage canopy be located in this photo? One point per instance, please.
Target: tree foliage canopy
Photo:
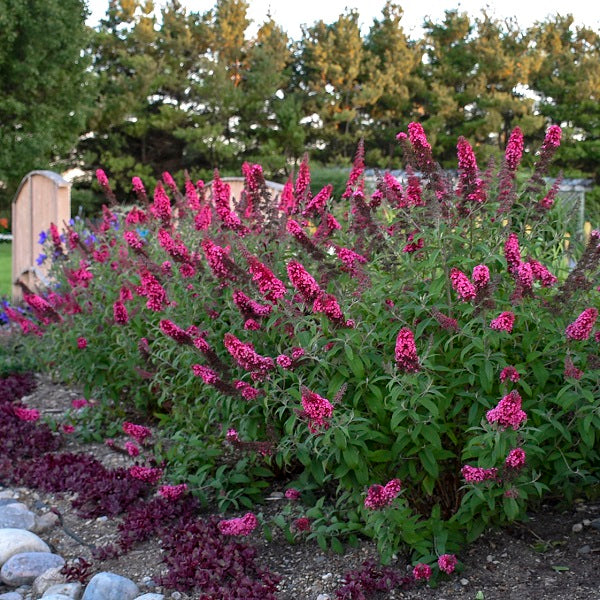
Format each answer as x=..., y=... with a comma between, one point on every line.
x=45, y=91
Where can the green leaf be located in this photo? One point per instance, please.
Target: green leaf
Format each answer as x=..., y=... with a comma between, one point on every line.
x=429, y=462
x=337, y=546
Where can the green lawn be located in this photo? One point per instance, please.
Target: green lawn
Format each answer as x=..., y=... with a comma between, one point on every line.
x=5, y=268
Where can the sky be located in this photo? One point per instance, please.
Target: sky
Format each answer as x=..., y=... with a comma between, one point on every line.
x=291, y=14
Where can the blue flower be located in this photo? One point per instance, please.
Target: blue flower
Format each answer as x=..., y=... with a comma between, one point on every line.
x=40, y=259
x=43, y=237
x=143, y=232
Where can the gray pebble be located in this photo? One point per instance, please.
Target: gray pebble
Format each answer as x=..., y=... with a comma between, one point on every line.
x=151, y=597
x=45, y=522
x=15, y=541
x=109, y=586
x=6, y=502
x=70, y=590
x=57, y=597
x=24, y=568
x=11, y=596
x=577, y=528
x=584, y=549
x=16, y=515
x=47, y=579
x=596, y=523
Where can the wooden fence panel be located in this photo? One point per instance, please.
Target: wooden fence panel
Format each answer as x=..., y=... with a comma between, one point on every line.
x=43, y=197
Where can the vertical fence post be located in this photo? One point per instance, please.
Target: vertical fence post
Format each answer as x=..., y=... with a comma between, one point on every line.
x=43, y=197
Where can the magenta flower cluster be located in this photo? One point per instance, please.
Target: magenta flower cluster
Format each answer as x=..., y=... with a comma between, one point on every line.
x=447, y=563
x=478, y=474
x=503, y=322
x=317, y=409
x=581, y=328
x=239, y=525
x=508, y=412
x=406, y=351
x=146, y=474
x=139, y=433
x=461, y=285
x=380, y=496
x=515, y=458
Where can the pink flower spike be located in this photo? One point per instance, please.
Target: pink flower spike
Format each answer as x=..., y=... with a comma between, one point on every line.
x=581, y=328
x=461, y=285
x=302, y=524
x=477, y=474
x=508, y=412
x=132, y=449
x=447, y=563
x=515, y=458
x=503, y=322
x=422, y=571
x=481, y=276
x=317, y=409
x=406, y=351
x=172, y=492
x=78, y=403
x=146, y=474
x=82, y=343
x=232, y=435
x=138, y=432
x=381, y=496
x=239, y=526
x=509, y=373
x=26, y=414
x=292, y=494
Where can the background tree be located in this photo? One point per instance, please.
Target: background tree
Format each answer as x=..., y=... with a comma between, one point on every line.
x=393, y=72
x=566, y=75
x=448, y=72
x=501, y=73
x=333, y=66
x=45, y=90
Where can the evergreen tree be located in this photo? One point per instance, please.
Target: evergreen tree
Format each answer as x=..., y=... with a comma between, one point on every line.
x=566, y=75
x=45, y=90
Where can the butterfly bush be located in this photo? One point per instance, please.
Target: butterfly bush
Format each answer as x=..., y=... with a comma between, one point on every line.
x=428, y=330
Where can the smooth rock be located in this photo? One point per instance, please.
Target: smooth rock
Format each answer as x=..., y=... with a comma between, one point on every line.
x=577, y=528
x=584, y=549
x=16, y=541
x=596, y=523
x=45, y=522
x=6, y=502
x=8, y=494
x=109, y=586
x=151, y=596
x=17, y=516
x=57, y=597
x=24, y=568
x=47, y=579
x=70, y=590
x=11, y=596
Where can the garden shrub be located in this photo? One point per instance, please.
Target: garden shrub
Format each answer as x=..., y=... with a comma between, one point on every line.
x=420, y=362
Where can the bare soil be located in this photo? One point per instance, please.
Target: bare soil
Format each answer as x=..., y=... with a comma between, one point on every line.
x=554, y=555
